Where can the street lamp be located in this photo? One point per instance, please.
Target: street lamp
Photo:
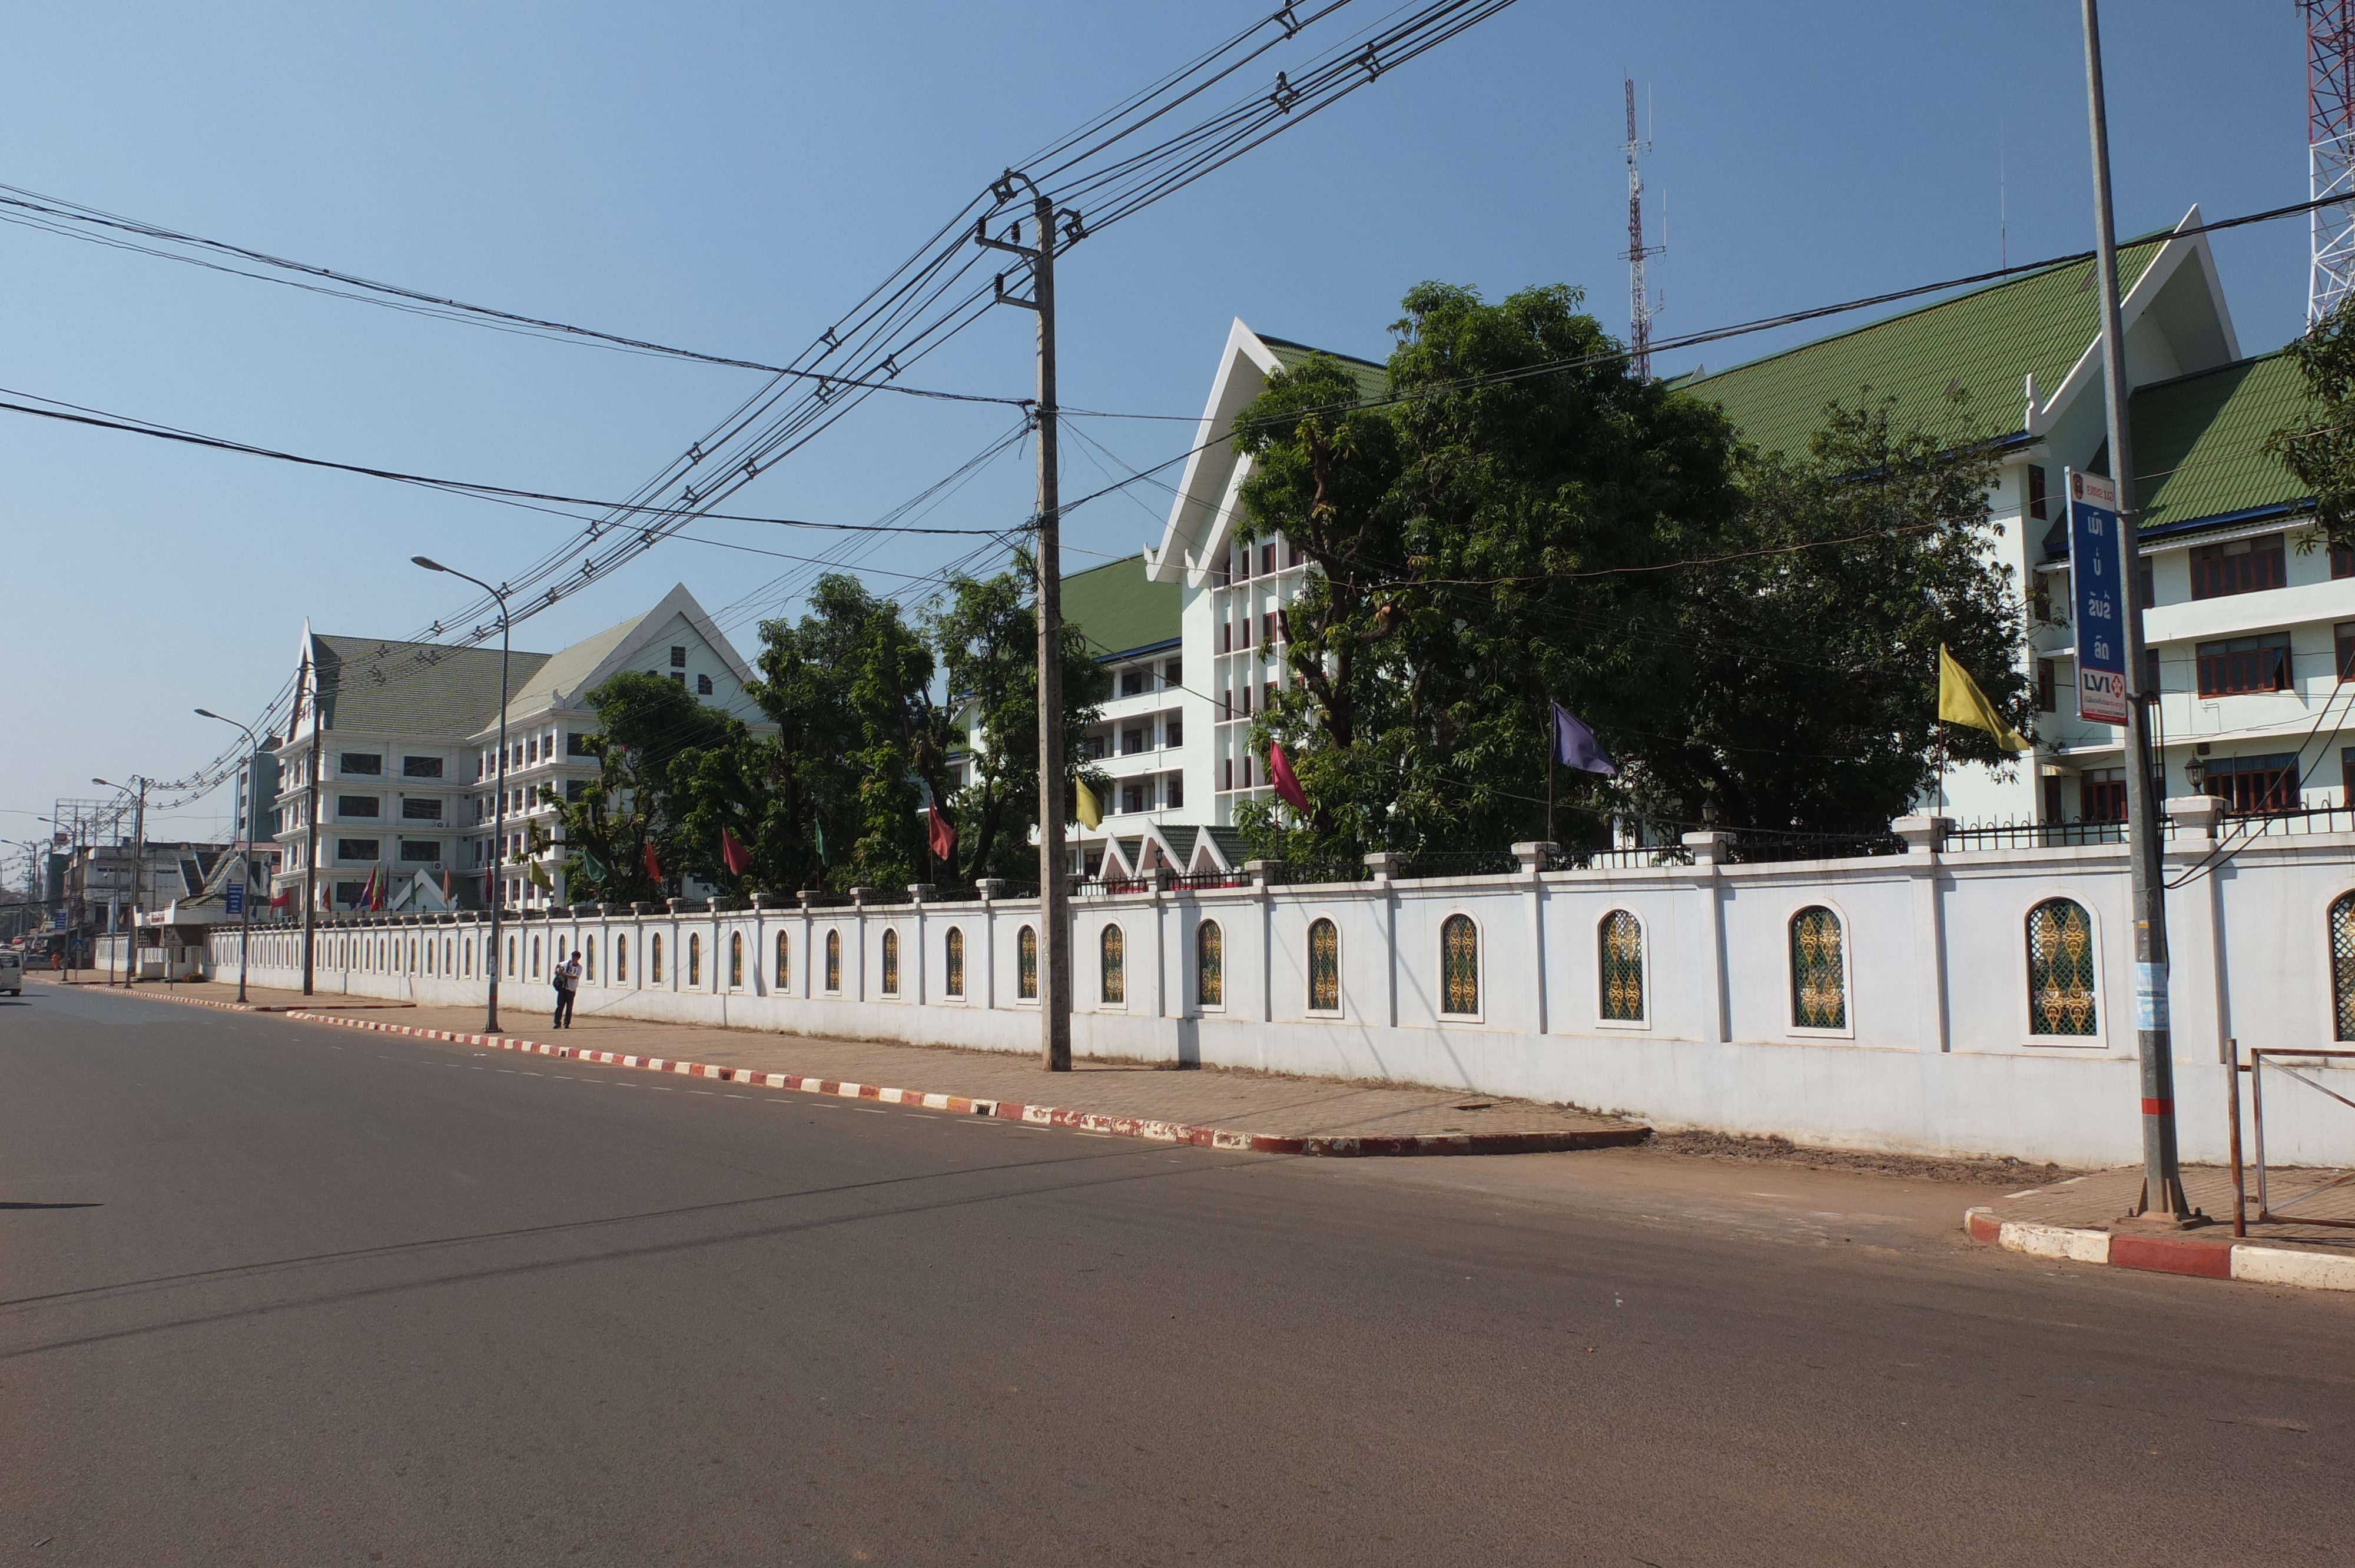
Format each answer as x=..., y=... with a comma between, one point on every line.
x=245, y=854
x=138, y=868
x=499, y=810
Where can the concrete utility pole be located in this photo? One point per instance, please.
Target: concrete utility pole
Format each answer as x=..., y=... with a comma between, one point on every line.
x=1054, y=894
x=2162, y=1182
x=311, y=810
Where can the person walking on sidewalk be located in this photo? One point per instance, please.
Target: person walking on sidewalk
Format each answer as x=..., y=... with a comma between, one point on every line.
x=568, y=983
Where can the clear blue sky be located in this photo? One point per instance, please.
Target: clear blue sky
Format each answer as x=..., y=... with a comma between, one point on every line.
x=730, y=177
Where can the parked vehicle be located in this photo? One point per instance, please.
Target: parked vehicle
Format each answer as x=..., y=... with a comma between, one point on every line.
x=12, y=972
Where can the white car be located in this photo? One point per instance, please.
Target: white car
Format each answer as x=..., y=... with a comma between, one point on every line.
x=12, y=972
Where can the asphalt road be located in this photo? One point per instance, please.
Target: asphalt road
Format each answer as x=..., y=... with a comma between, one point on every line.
x=281, y=1293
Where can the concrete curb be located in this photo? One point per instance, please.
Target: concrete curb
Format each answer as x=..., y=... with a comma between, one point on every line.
x=1039, y=1116
x=2220, y=1258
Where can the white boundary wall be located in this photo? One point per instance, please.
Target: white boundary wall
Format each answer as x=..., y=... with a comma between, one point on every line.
x=1938, y=1057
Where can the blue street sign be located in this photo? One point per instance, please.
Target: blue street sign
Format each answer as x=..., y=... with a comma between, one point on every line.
x=2101, y=599
x=237, y=897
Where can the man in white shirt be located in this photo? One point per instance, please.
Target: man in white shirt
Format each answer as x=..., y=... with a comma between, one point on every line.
x=567, y=985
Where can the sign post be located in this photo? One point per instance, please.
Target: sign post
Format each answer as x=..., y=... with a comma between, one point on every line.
x=2099, y=590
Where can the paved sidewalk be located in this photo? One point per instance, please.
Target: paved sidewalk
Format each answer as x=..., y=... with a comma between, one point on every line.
x=1212, y=1106
x=2078, y=1221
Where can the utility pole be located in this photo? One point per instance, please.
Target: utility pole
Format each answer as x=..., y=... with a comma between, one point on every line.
x=311, y=813
x=499, y=810
x=138, y=880
x=246, y=813
x=1054, y=893
x=2162, y=1181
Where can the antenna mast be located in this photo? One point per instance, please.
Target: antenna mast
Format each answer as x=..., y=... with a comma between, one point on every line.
x=2330, y=149
x=1641, y=304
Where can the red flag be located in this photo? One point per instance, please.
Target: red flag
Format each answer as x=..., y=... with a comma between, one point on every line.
x=738, y=857
x=285, y=900
x=943, y=833
x=1279, y=773
x=373, y=898
x=653, y=866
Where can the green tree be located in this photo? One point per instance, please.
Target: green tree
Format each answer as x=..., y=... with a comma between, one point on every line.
x=1495, y=539
x=1813, y=703
x=987, y=635
x=646, y=727
x=2318, y=448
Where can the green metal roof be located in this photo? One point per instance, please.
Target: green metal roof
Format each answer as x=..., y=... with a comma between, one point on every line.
x=1984, y=343
x=2199, y=439
x=1119, y=609
x=1373, y=380
x=413, y=688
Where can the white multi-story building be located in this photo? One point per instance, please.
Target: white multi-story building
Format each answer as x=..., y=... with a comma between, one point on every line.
x=406, y=738
x=2251, y=629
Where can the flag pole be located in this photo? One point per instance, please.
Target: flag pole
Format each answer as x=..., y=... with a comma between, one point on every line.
x=1552, y=745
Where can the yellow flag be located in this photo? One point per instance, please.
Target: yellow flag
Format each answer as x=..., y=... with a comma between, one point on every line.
x=1960, y=701
x=1089, y=810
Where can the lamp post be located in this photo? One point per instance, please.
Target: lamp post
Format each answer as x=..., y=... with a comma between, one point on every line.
x=245, y=851
x=138, y=866
x=499, y=810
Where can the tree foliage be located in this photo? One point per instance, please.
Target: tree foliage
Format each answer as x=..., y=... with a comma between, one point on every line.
x=2318, y=448
x=1522, y=522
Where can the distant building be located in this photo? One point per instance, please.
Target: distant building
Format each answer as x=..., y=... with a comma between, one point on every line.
x=406, y=735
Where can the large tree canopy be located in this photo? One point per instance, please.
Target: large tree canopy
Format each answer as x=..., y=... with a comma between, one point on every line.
x=1522, y=521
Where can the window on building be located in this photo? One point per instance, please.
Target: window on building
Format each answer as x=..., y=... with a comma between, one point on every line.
x=2342, y=638
x=620, y=960
x=1173, y=674
x=2239, y=566
x=420, y=766
x=576, y=787
x=2036, y=502
x=1172, y=790
x=588, y=961
x=1459, y=966
x=1112, y=967
x=1226, y=773
x=678, y=658
x=891, y=963
x=357, y=806
x=834, y=960
x=421, y=849
x=349, y=894
x=953, y=963
x=1243, y=695
x=1133, y=740
x=2244, y=664
x=577, y=744
x=2346, y=777
x=1267, y=628
x=735, y=958
x=531, y=749
x=703, y=685
x=2252, y=784
x=680, y=676
x=1209, y=965
x=654, y=957
x=1132, y=682
x=1267, y=694
x=2061, y=968
x=1620, y=938
x=1173, y=730
x=2048, y=698
x=1324, y=966
x=417, y=809
x=1267, y=557
x=364, y=762
x=356, y=849
x=1026, y=964
x=2342, y=966
x=1818, y=972
x=1133, y=798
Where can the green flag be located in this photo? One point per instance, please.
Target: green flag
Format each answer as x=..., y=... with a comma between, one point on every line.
x=821, y=843
x=591, y=866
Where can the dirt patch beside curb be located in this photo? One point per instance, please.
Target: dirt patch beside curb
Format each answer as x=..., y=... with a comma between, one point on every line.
x=1989, y=1173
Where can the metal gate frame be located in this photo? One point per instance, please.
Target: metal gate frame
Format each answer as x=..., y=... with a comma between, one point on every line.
x=2255, y=1067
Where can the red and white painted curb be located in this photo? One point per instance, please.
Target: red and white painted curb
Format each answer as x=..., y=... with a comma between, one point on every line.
x=1008, y=1110
x=2220, y=1258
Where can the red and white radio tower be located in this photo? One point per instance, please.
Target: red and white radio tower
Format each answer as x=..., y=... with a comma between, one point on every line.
x=2330, y=149
x=1642, y=304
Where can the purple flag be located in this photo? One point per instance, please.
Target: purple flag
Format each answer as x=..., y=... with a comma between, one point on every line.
x=1574, y=745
